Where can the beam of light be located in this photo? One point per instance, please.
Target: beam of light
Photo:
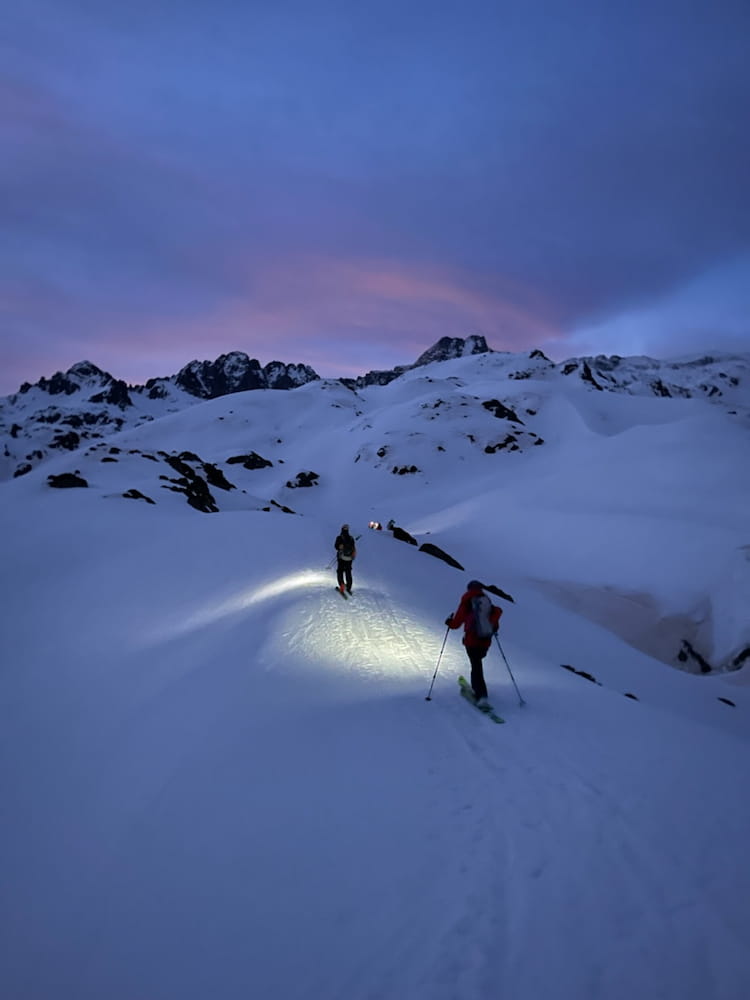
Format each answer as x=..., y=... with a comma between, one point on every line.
x=371, y=638
x=209, y=614
x=374, y=638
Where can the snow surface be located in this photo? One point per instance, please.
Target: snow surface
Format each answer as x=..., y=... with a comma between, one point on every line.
x=220, y=779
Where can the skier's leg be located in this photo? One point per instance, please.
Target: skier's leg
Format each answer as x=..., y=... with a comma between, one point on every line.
x=348, y=574
x=340, y=573
x=478, y=686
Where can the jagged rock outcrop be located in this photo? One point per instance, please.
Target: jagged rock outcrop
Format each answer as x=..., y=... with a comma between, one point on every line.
x=448, y=348
x=190, y=483
x=87, y=379
x=66, y=442
x=68, y=382
x=501, y=411
x=444, y=349
x=216, y=477
x=116, y=394
x=701, y=378
x=236, y=372
x=84, y=399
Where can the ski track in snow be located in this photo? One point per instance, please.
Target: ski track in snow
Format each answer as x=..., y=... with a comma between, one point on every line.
x=487, y=863
x=454, y=962
x=500, y=845
x=518, y=832
x=529, y=807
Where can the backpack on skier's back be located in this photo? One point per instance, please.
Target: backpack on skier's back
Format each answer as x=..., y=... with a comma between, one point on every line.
x=481, y=615
x=345, y=544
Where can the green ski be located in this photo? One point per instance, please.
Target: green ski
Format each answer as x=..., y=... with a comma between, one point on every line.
x=465, y=689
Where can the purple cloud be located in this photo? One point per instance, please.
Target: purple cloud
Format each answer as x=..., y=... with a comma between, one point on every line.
x=354, y=186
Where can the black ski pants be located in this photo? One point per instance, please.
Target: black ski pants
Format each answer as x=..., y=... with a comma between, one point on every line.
x=476, y=654
x=344, y=573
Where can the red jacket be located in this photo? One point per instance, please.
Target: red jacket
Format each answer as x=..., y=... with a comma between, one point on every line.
x=464, y=616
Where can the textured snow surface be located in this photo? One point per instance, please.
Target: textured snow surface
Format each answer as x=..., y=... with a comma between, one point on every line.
x=218, y=779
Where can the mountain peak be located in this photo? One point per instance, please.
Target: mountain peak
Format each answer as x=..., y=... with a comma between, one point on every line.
x=448, y=348
x=86, y=369
x=71, y=381
x=236, y=372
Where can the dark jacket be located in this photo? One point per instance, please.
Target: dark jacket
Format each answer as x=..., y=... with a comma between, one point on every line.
x=343, y=542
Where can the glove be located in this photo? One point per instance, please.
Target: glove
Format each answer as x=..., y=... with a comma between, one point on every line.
x=449, y=620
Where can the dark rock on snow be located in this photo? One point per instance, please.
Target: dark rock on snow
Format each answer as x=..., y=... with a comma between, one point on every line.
x=401, y=535
x=251, y=461
x=137, y=495
x=303, y=479
x=66, y=480
x=434, y=550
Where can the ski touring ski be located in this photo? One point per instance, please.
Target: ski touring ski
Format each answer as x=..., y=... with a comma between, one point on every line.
x=466, y=691
x=342, y=592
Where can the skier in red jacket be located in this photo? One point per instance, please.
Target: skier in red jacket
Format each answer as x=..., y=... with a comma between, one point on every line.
x=480, y=619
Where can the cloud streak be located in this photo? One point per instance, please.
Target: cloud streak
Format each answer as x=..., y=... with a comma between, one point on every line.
x=708, y=314
x=340, y=316
x=357, y=184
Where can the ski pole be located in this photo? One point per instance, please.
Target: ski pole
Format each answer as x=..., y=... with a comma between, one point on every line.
x=440, y=656
x=520, y=699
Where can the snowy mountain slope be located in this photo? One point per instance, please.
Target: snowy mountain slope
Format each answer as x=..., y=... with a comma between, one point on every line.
x=66, y=412
x=221, y=779
x=631, y=510
x=85, y=403
x=69, y=410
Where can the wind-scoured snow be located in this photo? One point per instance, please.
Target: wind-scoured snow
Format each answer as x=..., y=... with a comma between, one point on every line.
x=220, y=779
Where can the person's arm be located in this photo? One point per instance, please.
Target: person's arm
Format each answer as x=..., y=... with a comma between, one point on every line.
x=458, y=617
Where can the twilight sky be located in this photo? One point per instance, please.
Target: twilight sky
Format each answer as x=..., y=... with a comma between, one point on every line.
x=342, y=183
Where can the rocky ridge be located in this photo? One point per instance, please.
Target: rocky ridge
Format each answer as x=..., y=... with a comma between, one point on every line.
x=482, y=414
x=84, y=404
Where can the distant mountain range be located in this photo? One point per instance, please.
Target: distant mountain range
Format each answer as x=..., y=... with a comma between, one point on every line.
x=64, y=411
x=645, y=447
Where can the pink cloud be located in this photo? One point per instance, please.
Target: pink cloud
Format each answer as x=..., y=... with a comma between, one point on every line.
x=341, y=316
x=402, y=305
x=344, y=316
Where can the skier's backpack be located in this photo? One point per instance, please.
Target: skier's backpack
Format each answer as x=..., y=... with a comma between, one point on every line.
x=481, y=623
x=347, y=547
